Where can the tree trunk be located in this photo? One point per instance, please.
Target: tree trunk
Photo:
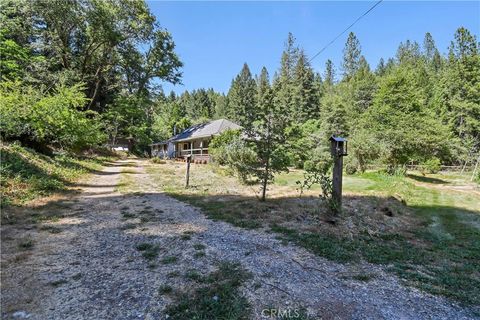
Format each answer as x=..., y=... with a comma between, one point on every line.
x=264, y=183
x=475, y=169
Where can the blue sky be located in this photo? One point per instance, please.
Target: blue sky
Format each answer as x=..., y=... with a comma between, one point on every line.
x=214, y=39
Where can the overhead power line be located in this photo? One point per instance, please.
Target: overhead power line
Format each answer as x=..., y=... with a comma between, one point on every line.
x=346, y=29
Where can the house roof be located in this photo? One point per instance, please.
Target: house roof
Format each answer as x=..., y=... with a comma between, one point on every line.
x=202, y=130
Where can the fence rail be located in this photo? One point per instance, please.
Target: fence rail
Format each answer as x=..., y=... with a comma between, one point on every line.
x=468, y=168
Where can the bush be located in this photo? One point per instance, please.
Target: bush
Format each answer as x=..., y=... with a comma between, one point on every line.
x=218, y=145
x=432, y=165
x=48, y=118
x=157, y=160
x=241, y=159
x=350, y=168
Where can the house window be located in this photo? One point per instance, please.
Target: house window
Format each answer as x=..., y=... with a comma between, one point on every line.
x=205, y=144
x=186, y=146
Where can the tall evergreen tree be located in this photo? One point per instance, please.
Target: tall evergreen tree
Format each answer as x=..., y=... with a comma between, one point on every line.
x=431, y=53
x=351, y=56
x=381, y=68
x=267, y=133
x=241, y=97
x=305, y=94
x=329, y=73
x=458, y=91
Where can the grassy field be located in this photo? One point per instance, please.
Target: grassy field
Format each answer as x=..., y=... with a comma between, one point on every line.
x=26, y=175
x=425, y=229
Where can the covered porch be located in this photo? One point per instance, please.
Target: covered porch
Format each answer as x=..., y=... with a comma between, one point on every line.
x=197, y=148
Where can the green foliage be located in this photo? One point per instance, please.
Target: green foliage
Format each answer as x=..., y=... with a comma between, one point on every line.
x=115, y=50
x=432, y=165
x=48, y=117
x=351, y=56
x=400, y=123
x=241, y=98
x=219, y=144
x=241, y=159
x=26, y=175
x=218, y=297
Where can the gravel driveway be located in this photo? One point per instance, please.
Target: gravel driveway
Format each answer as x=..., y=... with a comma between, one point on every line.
x=85, y=265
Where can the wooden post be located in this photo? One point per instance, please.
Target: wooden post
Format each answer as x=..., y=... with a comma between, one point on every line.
x=338, y=149
x=337, y=181
x=187, y=175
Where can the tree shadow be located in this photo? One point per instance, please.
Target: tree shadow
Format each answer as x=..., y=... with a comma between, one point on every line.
x=301, y=221
x=427, y=179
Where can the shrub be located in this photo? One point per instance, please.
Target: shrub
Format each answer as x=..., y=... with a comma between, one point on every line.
x=432, y=165
x=218, y=145
x=241, y=159
x=157, y=160
x=48, y=117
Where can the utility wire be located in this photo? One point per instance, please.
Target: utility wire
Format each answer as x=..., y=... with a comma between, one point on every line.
x=346, y=29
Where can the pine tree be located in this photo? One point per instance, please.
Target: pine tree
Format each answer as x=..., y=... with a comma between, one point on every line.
x=305, y=94
x=364, y=87
x=381, y=68
x=329, y=73
x=351, y=56
x=283, y=84
x=241, y=97
x=408, y=52
x=431, y=53
x=268, y=133
x=458, y=91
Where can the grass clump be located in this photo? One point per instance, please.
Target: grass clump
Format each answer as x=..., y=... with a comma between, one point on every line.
x=164, y=289
x=169, y=260
x=199, y=254
x=51, y=229
x=193, y=274
x=58, y=283
x=198, y=246
x=173, y=274
x=26, y=244
x=149, y=250
x=218, y=297
x=128, y=226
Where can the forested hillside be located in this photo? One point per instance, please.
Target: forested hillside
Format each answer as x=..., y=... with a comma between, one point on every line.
x=419, y=107
x=78, y=74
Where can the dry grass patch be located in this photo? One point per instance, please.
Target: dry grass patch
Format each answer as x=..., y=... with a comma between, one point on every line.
x=423, y=230
x=223, y=198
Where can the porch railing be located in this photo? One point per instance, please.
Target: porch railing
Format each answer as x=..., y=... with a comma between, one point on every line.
x=186, y=152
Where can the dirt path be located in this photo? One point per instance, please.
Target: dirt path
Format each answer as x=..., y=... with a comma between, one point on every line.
x=85, y=265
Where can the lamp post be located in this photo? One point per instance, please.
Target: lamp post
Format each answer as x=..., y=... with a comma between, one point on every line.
x=338, y=148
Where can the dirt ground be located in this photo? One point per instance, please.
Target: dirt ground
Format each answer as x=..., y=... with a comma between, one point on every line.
x=84, y=264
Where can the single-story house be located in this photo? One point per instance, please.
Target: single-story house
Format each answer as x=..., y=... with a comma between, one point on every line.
x=192, y=141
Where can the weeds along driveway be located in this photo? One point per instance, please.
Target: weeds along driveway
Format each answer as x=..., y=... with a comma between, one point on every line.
x=124, y=250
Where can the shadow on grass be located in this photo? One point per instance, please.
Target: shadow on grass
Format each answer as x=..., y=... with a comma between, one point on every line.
x=440, y=254
x=27, y=175
x=427, y=179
